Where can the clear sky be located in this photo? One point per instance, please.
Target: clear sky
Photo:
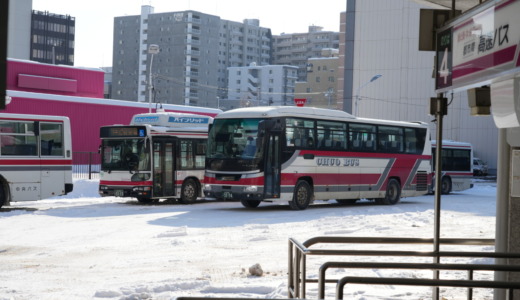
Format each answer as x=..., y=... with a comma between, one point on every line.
x=95, y=18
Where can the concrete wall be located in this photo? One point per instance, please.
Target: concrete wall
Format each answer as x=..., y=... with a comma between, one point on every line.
x=386, y=43
x=19, y=29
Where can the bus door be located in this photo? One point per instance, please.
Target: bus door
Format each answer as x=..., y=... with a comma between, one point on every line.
x=272, y=167
x=163, y=167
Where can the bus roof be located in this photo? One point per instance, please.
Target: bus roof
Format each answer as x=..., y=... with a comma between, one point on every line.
x=305, y=112
x=171, y=120
x=31, y=117
x=451, y=143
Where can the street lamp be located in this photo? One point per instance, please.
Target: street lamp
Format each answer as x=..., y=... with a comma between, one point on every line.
x=374, y=78
x=152, y=49
x=329, y=95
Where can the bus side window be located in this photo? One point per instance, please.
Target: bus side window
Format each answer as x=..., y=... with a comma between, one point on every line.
x=310, y=142
x=200, y=154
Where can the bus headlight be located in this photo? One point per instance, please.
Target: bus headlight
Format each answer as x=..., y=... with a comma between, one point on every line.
x=142, y=188
x=207, y=187
x=251, y=189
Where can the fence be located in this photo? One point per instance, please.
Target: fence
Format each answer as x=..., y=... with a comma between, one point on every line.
x=86, y=165
x=300, y=252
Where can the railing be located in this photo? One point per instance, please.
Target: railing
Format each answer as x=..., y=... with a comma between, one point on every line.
x=86, y=165
x=298, y=253
x=508, y=285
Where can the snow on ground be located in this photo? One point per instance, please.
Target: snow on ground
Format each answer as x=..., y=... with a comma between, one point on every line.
x=82, y=246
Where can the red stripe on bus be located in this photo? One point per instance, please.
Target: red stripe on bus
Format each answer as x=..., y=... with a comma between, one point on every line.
x=124, y=183
x=331, y=178
x=347, y=154
x=26, y=162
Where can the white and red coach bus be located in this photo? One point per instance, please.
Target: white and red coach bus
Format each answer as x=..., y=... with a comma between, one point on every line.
x=35, y=157
x=457, y=166
x=298, y=155
x=158, y=156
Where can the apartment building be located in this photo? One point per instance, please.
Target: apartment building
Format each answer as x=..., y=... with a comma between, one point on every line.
x=295, y=48
x=320, y=86
x=195, y=51
x=261, y=85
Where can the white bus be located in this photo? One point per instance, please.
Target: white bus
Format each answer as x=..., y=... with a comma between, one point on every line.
x=35, y=157
x=158, y=156
x=457, y=166
x=297, y=155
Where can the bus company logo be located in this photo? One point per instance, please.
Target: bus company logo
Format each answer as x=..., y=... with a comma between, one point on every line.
x=26, y=189
x=336, y=162
x=188, y=120
x=145, y=120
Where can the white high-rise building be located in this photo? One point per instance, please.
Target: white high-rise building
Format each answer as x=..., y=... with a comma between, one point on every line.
x=262, y=85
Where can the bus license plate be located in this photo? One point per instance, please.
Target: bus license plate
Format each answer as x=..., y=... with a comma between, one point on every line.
x=119, y=193
x=227, y=195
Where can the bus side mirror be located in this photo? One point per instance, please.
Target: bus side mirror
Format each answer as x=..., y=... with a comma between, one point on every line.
x=99, y=149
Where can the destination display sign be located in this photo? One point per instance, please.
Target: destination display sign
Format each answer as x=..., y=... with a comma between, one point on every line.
x=127, y=131
x=478, y=48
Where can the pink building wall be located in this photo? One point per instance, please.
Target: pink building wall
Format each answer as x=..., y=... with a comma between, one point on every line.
x=29, y=76
x=77, y=93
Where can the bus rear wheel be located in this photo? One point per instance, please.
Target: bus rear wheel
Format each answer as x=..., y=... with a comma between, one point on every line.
x=445, y=185
x=302, y=196
x=3, y=196
x=392, y=195
x=189, y=192
x=250, y=203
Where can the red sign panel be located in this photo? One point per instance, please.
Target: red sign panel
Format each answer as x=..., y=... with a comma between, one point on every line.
x=300, y=102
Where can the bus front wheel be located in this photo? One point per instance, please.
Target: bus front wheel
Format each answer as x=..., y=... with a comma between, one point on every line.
x=189, y=192
x=393, y=193
x=302, y=196
x=250, y=203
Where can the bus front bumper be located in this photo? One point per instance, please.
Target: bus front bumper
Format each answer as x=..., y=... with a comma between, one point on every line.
x=230, y=192
x=135, y=192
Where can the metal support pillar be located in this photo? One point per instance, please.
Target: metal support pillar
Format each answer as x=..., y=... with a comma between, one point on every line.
x=439, y=108
x=502, y=209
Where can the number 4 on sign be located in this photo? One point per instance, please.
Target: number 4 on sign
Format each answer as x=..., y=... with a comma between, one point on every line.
x=444, y=70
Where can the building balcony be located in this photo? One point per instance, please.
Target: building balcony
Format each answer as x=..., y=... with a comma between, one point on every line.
x=191, y=74
x=192, y=42
x=193, y=20
x=192, y=52
x=193, y=63
x=193, y=31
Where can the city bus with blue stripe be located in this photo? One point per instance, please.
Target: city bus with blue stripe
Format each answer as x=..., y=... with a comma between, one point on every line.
x=158, y=156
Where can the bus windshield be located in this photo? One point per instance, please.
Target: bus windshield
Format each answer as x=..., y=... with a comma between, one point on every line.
x=235, y=138
x=125, y=155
